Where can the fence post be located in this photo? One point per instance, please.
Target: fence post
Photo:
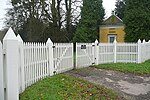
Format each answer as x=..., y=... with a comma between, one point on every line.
x=144, y=51
x=11, y=49
x=21, y=61
x=76, y=55
x=139, y=51
x=49, y=43
x=149, y=49
x=1, y=74
x=115, y=51
x=96, y=52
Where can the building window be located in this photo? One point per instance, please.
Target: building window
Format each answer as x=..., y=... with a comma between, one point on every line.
x=111, y=38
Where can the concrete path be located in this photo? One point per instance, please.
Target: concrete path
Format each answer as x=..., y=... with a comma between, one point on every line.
x=130, y=86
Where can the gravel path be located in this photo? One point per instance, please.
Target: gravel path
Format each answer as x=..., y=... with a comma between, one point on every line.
x=130, y=86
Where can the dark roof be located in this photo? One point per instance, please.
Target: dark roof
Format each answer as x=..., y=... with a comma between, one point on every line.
x=113, y=20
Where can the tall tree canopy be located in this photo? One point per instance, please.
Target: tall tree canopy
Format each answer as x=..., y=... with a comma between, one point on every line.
x=37, y=20
x=120, y=8
x=137, y=20
x=92, y=14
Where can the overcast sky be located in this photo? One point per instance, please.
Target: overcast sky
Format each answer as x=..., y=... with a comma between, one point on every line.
x=109, y=5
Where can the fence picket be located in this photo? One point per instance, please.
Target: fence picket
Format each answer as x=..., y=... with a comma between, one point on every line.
x=1, y=73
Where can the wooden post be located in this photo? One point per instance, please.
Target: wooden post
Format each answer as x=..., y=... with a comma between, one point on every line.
x=96, y=52
x=21, y=61
x=139, y=51
x=72, y=46
x=1, y=74
x=115, y=51
x=49, y=43
x=76, y=56
x=11, y=49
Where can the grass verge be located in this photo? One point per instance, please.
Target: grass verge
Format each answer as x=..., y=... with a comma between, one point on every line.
x=139, y=69
x=62, y=87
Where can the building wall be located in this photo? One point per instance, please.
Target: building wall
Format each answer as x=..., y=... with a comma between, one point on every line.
x=105, y=31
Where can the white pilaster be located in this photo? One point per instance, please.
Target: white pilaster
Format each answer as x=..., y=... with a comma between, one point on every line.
x=96, y=52
x=139, y=51
x=21, y=62
x=11, y=48
x=1, y=74
x=115, y=51
x=49, y=43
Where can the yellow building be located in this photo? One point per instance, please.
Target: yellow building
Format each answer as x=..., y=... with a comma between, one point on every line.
x=111, y=29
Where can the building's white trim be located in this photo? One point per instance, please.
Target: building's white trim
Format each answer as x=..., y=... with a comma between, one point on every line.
x=109, y=26
x=119, y=18
x=111, y=35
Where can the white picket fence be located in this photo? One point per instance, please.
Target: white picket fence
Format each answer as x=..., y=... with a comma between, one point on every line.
x=99, y=53
x=28, y=62
x=24, y=63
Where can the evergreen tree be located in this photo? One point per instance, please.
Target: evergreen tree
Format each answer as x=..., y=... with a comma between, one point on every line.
x=92, y=14
x=120, y=8
x=137, y=20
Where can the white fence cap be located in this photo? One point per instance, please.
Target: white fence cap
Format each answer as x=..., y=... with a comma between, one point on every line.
x=19, y=38
x=139, y=41
x=115, y=41
x=96, y=41
x=144, y=41
x=10, y=35
x=49, y=41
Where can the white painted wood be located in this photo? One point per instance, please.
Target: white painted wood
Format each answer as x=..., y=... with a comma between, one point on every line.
x=139, y=51
x=85, y=57
x=127, y=52
x=49, y=43
x=1, y=74
x=115, y=51
x=63, y=57
x=21, y=61
x=106, y=53
x=36, y=62
x=112, y=53
x=76, y=63
x=11, y=46
x=96, y=52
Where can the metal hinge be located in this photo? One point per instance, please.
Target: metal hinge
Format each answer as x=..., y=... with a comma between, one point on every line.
x=93, y=63
x=97, y=44
x=53, y=46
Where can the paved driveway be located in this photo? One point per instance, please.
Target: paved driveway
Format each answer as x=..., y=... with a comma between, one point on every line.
x=129, y=86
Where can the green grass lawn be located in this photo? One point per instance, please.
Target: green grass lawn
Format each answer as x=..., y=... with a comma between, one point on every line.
x=140, y=69
x=62, y=87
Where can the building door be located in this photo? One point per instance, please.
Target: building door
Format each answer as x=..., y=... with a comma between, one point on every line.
x=111, y=38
